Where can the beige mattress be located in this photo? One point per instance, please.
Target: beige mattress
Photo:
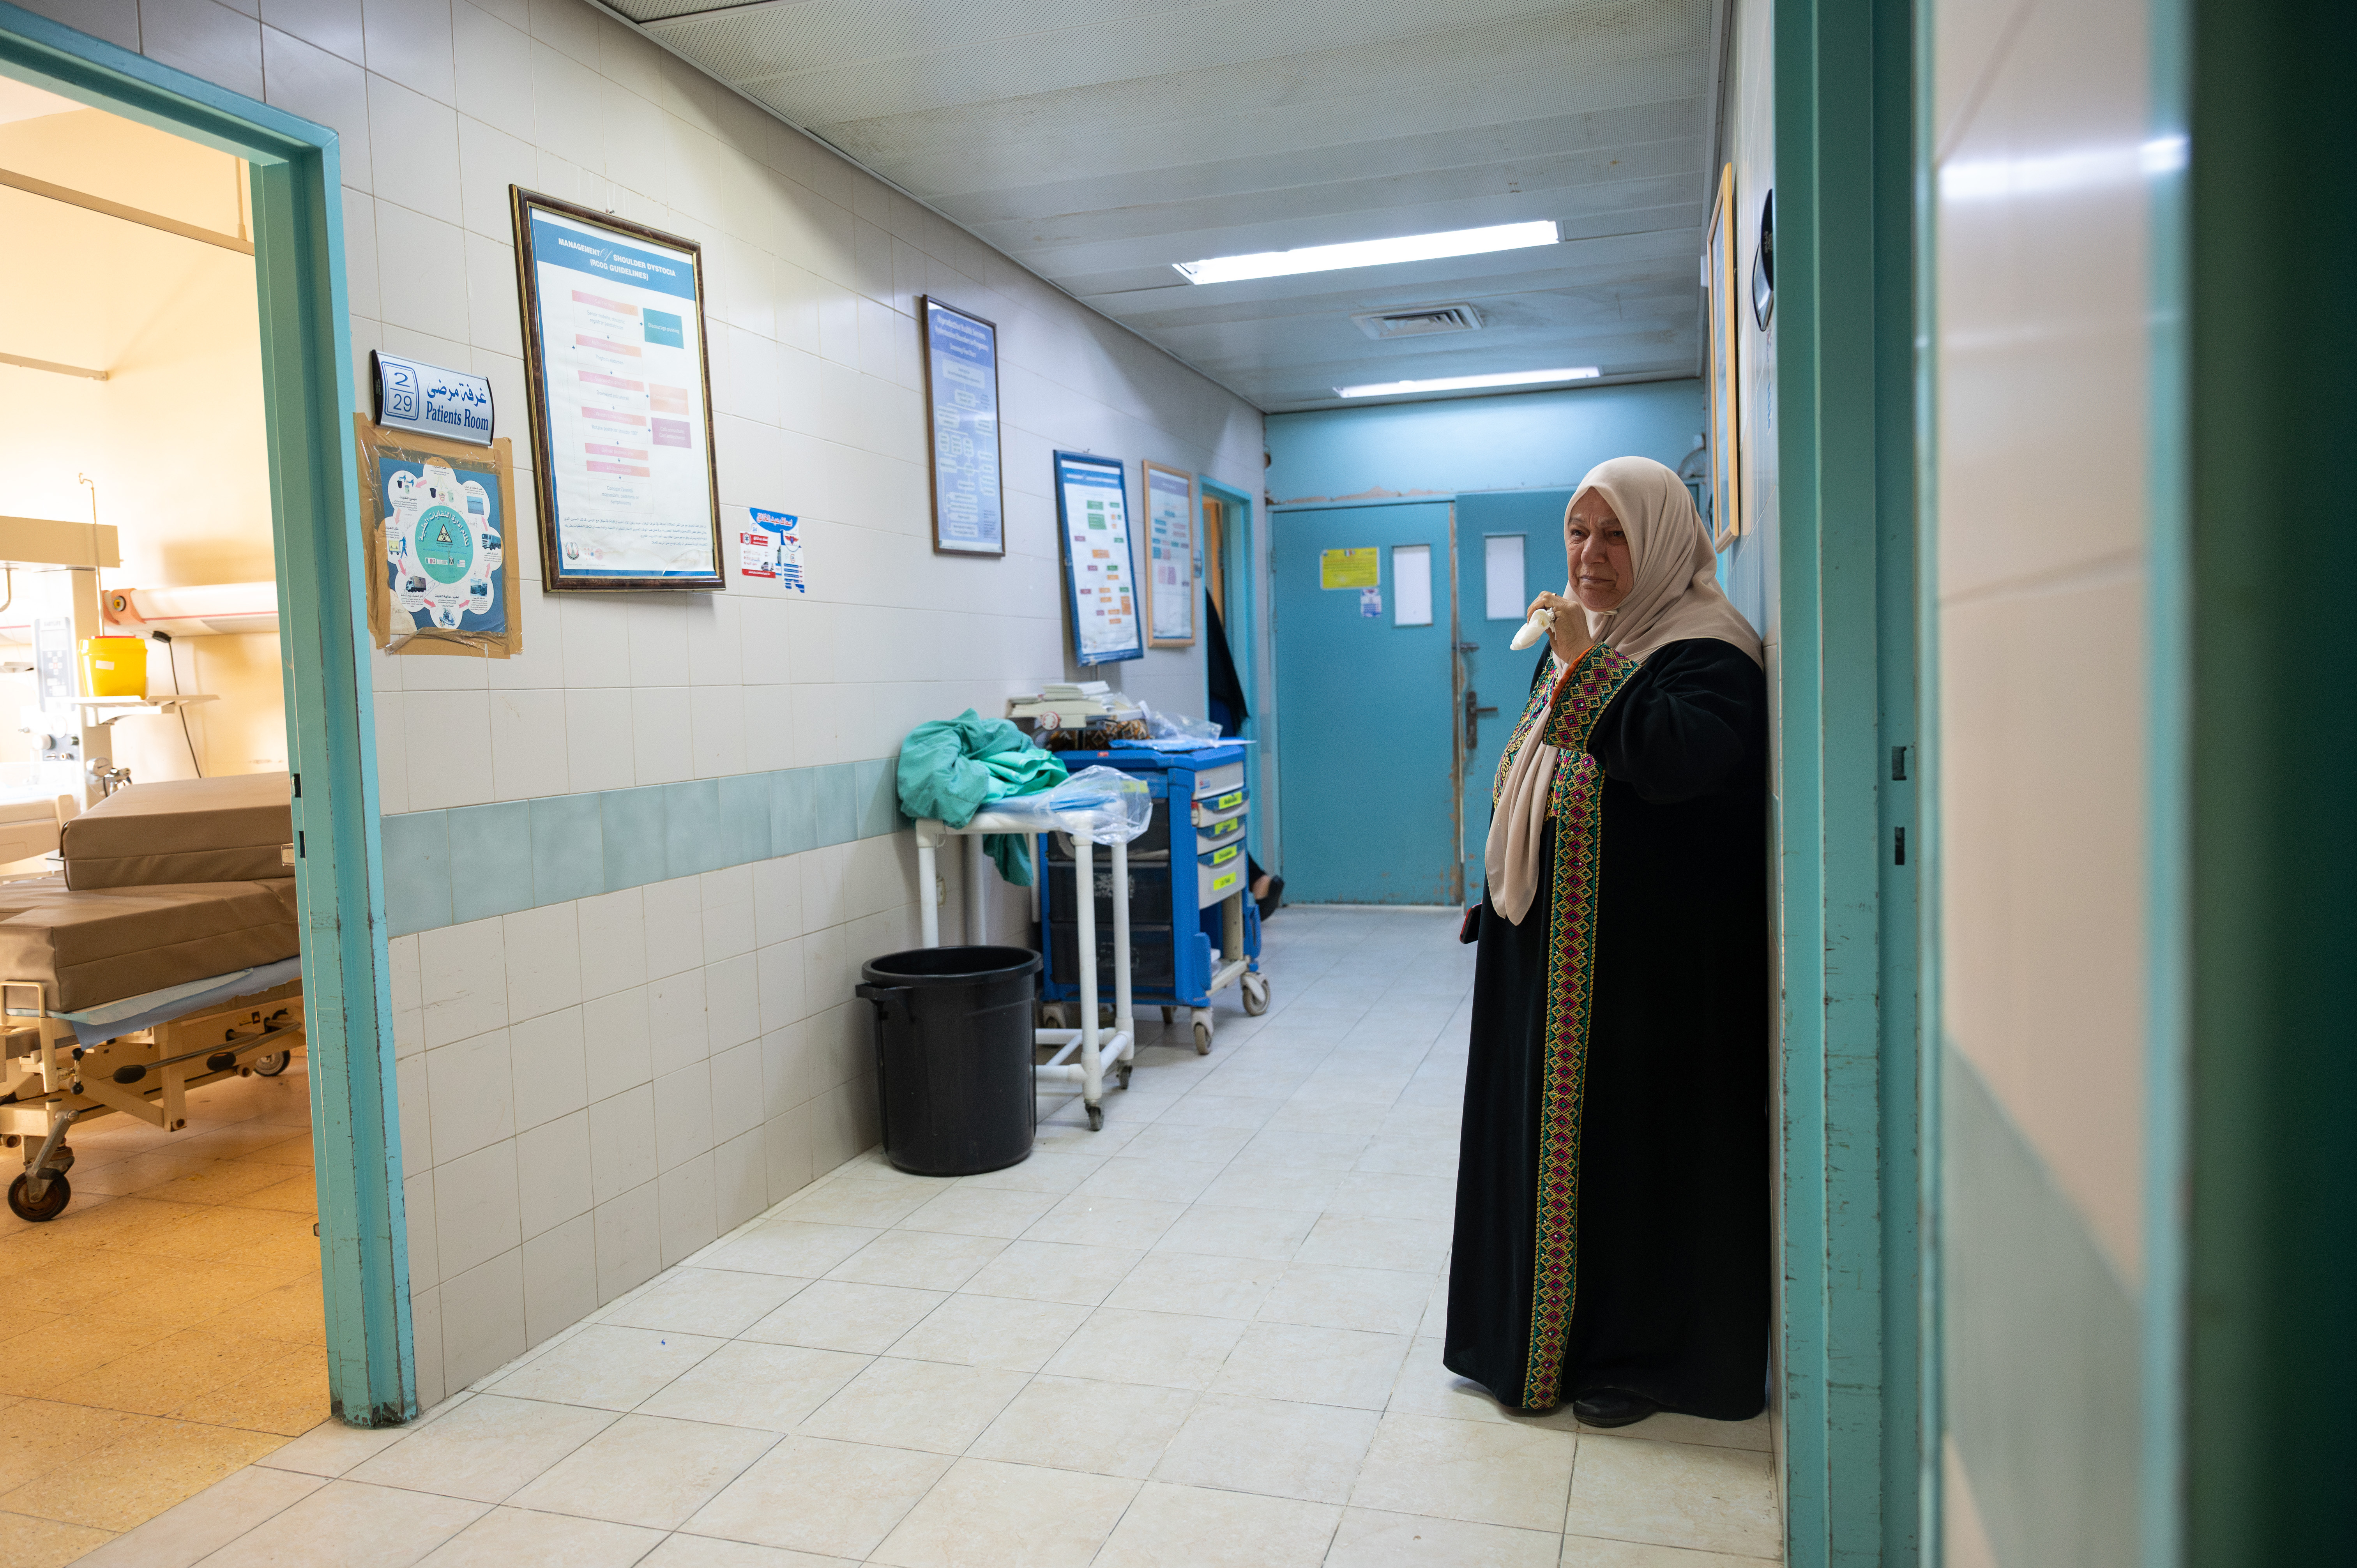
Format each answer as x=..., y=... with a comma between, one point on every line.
x=101, y=946
x=190, y=830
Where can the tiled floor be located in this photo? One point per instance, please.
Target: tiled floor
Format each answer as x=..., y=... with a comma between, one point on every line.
x=1205, y=1336
x=164, y=1331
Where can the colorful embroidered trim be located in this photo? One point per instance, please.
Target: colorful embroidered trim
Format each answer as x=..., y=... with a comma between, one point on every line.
x=1578, y=806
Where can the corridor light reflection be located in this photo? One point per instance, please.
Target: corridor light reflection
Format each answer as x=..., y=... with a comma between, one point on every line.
x=1460, y=383
x=1372, y=253
x=1992, y=179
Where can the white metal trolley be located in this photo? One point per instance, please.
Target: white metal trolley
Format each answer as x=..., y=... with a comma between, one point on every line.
x=1082, y=1055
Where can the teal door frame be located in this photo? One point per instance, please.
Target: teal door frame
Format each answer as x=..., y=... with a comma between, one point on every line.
x=1243, y=563
x=306, y=376
x=1846, y=678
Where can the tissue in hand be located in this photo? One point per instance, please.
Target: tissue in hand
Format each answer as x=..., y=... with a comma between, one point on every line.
x=1542, y=621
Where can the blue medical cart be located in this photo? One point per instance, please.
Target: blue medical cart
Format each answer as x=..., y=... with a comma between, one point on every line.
x=1189, y=894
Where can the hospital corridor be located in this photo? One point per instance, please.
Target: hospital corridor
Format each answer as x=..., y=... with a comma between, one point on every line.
x=1179, y=784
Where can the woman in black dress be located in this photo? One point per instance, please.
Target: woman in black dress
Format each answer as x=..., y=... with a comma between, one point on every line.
x=1611, y=1243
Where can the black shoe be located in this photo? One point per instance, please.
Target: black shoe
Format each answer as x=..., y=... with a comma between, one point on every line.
x=1269, y=900
x=1608, y=1408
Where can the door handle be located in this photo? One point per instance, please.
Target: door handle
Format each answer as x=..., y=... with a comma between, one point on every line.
x=1473, y=712
x=1469, y=648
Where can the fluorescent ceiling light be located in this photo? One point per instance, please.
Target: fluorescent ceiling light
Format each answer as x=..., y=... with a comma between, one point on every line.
x=1460, y=383
x=1371, y=253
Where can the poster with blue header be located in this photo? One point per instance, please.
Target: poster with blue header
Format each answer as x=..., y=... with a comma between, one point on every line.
x=960, y=350
x=1092, y=514
x=619, y=387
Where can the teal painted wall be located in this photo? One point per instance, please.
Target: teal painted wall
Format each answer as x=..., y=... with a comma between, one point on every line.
x=1517, y=440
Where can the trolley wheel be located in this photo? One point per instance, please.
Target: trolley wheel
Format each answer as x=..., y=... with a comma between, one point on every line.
x=1096, y=1118
x=273, y=1063
x=1203, y=1040
x=1124, y=1070
x=1169, y=1017
x=1256, y=989
x=53, y=1202
x=1052, y=1015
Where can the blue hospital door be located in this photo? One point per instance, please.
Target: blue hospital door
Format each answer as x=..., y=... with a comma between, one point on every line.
x=1365, y=756
x=1509, y=547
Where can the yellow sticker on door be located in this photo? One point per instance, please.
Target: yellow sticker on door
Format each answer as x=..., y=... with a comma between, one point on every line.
x=1359, y=568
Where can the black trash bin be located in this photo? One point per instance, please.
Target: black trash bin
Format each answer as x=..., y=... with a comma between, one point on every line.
x=953, y=1085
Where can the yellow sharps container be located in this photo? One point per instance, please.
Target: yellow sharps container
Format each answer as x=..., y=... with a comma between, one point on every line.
x=115, y=666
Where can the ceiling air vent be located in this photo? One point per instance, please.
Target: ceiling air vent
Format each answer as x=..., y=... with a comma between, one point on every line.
x=1421, y=322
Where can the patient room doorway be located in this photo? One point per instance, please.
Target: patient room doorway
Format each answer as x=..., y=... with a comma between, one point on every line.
x=166, y=1322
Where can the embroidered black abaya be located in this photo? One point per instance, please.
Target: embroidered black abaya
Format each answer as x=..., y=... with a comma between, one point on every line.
x=1612, y=1186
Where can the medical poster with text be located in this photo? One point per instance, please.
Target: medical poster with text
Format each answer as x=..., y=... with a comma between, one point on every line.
x=1093, y=512
x=961, y=358
x=1170, y=556
x=621, y=403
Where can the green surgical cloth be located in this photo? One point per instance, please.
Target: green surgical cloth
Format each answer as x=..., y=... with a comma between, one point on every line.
x=950, y=769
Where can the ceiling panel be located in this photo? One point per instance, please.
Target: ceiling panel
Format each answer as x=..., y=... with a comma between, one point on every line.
x=1098, y=141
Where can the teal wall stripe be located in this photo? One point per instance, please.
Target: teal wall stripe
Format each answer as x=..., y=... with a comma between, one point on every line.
x=470, y=862
x=2043, y=1341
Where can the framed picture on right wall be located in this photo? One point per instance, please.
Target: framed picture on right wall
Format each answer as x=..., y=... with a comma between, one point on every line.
x=1725, y=324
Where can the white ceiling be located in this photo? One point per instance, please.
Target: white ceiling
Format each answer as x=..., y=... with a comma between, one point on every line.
x=1098, y=141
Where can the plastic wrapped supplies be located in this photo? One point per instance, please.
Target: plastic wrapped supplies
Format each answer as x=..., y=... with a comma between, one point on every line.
x=1103, y=805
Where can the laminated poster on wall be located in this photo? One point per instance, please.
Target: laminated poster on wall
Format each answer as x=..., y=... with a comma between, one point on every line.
x=1093, y=518
x=620, y=392
x=1170, y=556
x=961, y=360
x=771, y=547
x=442, y=577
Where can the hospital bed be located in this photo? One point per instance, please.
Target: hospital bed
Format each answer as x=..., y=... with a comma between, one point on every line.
x=164, y=957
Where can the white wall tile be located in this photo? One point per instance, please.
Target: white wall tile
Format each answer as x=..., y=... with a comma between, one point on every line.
x=417, y=1204
x=409, y=41
x=729, y=926
x=622, y=1142
x=204, y=39
x=617, y=1043
x=732, y=1004
x=683, y=1114
x=448, y=745
x=544, y=960
x=475, y=1214
x=482, y=1318
x=330, y=24
x=786, y=1149
x=736, y=1099
x=528, y=745
x=551, y=1067
x=740, y=1179
x=468, y=994
x=674, y=927
x=690, y=1209
x=493, y=68
x=629, y=1253
x=560, y=1278
x=661, y=734
x=425, y=1335
x=552, y=1179
x=414, y=159
x=305, y=78
x=600, y=751
x=472, y=1088
x=613, y=941
x=676, y=1019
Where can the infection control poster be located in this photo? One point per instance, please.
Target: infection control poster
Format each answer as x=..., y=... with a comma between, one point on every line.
x=620, y=401
x=961, y=355
x=1170, y=556
x=1093, y=509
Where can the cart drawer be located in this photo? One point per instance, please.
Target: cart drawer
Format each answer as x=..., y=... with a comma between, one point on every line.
x=1219, y=873
x=1220, y=808
x=1219, y=781
x=1208, y=839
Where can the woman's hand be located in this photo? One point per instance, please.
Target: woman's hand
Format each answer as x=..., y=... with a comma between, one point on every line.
x=1569, y=637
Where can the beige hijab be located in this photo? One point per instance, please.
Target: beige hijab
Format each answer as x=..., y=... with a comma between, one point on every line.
x=1676, y=599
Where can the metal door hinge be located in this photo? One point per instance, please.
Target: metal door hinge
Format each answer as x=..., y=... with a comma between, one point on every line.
x=1899, y=847
x=1898, y=764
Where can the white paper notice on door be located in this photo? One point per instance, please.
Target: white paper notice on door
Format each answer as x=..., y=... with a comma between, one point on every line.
x=1501, y=575
x=1411, y=584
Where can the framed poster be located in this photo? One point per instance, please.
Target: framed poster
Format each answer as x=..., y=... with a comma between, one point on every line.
x=961, y=354
x=1725, y=324
x=1093, y=518
x=1169, y=557
x=442, y=578
x=618, y=386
